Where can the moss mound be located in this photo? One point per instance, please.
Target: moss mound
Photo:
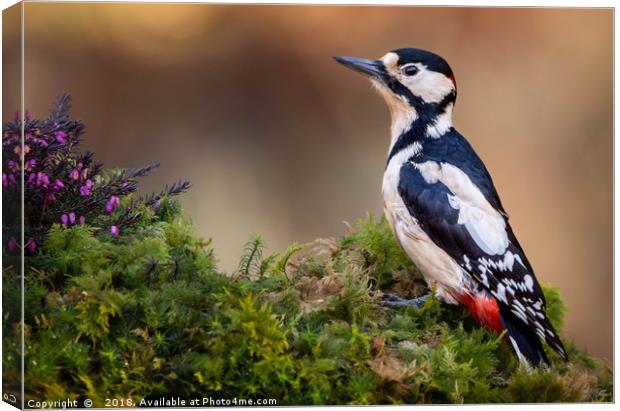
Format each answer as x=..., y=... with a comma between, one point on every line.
x=147, y=315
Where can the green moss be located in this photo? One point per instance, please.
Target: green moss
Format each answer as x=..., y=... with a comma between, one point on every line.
x=555, y=306
x=147, y=314
x=382, y=256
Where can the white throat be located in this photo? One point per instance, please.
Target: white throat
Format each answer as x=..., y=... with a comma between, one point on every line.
x=401, y=112
x=401, y=123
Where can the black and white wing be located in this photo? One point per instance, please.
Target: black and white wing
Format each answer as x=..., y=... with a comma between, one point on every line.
x=461, y=213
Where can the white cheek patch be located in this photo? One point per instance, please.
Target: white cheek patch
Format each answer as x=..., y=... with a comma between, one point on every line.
x=429, y=85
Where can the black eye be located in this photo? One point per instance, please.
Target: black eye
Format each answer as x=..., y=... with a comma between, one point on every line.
x=409, y=70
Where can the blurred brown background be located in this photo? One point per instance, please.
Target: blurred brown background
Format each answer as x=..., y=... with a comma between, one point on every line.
x=246, y=102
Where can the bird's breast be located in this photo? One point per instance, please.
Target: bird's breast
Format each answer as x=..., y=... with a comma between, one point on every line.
x=438, y=268
x=393, y=205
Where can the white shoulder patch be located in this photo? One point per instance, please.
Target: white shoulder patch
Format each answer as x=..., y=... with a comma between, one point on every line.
x=485, y=224
x=430, y=170
x=488, y=231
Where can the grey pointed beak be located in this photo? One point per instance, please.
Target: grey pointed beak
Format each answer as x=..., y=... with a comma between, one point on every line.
x=373, y=68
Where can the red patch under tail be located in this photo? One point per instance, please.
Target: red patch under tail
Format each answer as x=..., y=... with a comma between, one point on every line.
x=483, y=309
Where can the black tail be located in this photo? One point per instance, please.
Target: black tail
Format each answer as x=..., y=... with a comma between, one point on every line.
x=524, y=340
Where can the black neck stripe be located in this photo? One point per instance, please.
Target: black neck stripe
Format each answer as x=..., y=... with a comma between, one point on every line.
x=416, y=132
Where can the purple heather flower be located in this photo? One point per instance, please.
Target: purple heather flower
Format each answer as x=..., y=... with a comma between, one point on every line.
x=64, y=219
x=58, y=185
x=42, y=179
x=31, y=245
x=31, y=178
x=113, y=202
x=82, y=220
x=12, y=245
x=114, y=231
x=8, y=180
x=13, y=165
x=60, y=136
x=85, y=189
x=74, y=174
x=30, y=164
x=72, y=217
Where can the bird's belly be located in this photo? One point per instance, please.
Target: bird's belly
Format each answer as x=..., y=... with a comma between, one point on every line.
x=437, y=267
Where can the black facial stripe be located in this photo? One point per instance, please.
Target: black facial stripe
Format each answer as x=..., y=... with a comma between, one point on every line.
x=399, y=89
x=418, y=103
x=450, y=98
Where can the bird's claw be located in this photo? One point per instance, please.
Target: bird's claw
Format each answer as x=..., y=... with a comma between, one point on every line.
x=393, y=300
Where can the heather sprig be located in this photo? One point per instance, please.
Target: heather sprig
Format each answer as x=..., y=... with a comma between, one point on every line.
x=63, y=185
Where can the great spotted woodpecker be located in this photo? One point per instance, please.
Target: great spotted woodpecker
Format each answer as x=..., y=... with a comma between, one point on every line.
x=444, y=210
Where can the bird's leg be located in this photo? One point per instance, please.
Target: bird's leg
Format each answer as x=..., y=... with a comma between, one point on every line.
x=393, y=300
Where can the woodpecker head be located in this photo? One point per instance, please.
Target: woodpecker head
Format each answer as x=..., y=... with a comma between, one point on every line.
x=410, y=79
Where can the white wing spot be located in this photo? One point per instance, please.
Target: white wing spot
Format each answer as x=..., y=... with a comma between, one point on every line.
x=467, y=262
x=519, y=313
x=501, y=293
x=529, y=282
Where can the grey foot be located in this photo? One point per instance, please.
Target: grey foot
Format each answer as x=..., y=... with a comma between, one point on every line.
x=393, y=300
